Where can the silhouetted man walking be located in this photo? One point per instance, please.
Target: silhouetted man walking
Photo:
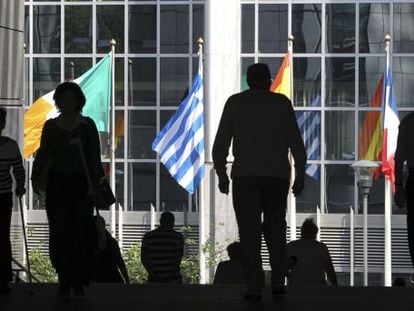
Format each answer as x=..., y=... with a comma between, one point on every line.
x=262, y=127
x=405, y=195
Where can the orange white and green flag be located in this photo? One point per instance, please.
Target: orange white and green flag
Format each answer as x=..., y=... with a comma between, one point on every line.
x=95, y=84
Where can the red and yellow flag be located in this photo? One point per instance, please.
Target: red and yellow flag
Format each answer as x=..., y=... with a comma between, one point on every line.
x=370, y=134
x=282, y=82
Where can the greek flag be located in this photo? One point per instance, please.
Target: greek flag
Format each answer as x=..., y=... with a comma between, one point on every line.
x=180, y=143
x=309, y=123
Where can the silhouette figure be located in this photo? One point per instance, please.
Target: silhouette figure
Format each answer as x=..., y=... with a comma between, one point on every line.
x=262, y=127
x=162, y=251
x=230, y=271
x=69, y=203
x=111, y=266
x=405, y=195
x=10, y=161
x=309, y=259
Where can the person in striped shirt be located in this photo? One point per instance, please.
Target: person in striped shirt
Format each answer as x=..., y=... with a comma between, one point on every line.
x=162, y=250
x=10, y=162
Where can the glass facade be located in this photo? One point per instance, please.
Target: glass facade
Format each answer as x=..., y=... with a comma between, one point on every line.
x=338, y=62
x=156, y=57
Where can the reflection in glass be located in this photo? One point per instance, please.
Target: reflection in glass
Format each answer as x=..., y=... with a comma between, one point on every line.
x=198, y=25
x=78, y=29
x=119, y=133
x=141, y=186
x=142, y=28
x=403, y=78
x=46, y=29
x=307, y=81
x=339, y=135
x=174, y=28
x=110, y=25
x=165, y=116
x=310, y=197
x=374, y=24
x=339, y=188
x=403, y=27
x=75, y=67
x=340, y=82
x=340, y=28
x=273, y=63
x=174, y=83
x=142, y=131
x=27, y=29
x=371, y=70
x=143, y=72
x=306, y=28
x=273, y=28
x=173, y=197
x=247, y=28
x=46, y=75
x=309, y=123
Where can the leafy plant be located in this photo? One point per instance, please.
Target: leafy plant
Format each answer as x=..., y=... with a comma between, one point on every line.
x=135, y=268
x=41, y=267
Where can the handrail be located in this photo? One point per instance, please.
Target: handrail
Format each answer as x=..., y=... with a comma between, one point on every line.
x=23, y=268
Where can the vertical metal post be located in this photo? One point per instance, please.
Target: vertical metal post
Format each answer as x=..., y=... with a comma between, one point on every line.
x=351, y=247
x=112, y=138
x=365, y=237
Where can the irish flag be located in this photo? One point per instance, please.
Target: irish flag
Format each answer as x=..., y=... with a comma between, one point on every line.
x=391, y=123
x=95, y=84
x=281, y=84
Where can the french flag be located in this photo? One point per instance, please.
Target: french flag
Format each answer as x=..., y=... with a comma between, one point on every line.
x=390, y=125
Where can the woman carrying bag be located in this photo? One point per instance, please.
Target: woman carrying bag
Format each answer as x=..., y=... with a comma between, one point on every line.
x=58, y=170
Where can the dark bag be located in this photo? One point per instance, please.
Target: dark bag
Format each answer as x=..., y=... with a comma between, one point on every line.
x=100, y=231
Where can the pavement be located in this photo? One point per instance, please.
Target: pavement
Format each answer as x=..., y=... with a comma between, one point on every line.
x=143, y=297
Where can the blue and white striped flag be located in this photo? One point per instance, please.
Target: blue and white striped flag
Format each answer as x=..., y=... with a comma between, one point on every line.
x=180, y=143
x=310, y=126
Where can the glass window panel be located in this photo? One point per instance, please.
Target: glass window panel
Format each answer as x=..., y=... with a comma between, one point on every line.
x=403, y=79
x=141, y=186
x=27, y=27
x=340, y=188
x=310, y=197
x=142, y=131
x=165, y=116
x=247, y=28
x=198, y=25
x=339, y=135
x=119, y=184
x=309, y=123
x=75, y=67
x=369, y=144
x=143, y=28
x=27, y=83
x=144, y=84
x=110, y=25
x=374, y=24
x=246, y=62
x=78, y=29
x=46, y=29
x=340, y=82
x=307, y=81
x=119, y=82
x=273, y=63
x=46, y=75
x=306, y=28
x=174, y=28
x=403, y=26
x=173, y=197
x=371, y=70
x=273, y=28
x=340, y=28
x=174, y=81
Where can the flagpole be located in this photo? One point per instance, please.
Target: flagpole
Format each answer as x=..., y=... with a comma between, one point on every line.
x=388, y=198
x=112, y=137
x=201, y=210
x=291, y=197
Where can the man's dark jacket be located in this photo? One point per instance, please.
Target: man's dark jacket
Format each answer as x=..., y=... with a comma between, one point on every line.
x=262, y=126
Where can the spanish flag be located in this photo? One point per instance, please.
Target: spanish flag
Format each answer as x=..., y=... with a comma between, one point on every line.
x=370, y=134
x=95, y=84
x=281, y=84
